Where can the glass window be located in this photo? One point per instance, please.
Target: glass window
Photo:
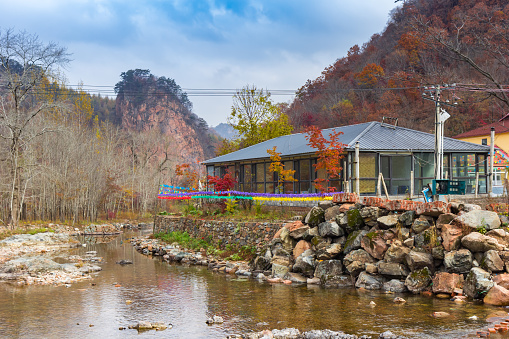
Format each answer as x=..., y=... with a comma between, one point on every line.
x=304, y=187
x=260, y=172
x=401, y=166
x=269, y=175
x=481, y=163
x=269, y=188
x=210, y=170
x=386, y=170
x=304, y=174
x=424, y=165
x=288, y=186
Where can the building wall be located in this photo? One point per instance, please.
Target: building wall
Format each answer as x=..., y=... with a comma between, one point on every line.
x=501, y=140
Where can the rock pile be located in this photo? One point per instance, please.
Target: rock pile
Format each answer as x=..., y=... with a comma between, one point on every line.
x=377, y=248
x=293, y=333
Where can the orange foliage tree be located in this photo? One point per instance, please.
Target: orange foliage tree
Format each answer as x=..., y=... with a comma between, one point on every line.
x=276, y=166
x=188, y=174
x=329, y=152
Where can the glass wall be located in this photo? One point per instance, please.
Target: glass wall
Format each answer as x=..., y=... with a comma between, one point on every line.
x=465, y=166
x=396, y=171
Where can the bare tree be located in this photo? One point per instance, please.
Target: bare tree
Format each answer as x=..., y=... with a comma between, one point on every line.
x=25, y=64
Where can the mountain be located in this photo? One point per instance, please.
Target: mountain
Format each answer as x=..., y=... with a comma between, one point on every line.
x=225, y=131
x=461, y=43
x=145, y=102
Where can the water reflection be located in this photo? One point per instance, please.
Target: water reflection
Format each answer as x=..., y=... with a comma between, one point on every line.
x=187, y=296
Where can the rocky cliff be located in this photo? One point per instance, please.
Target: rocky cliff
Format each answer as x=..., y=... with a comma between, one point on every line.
x=145, y=102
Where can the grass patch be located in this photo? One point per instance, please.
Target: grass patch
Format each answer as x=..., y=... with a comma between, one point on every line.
x=228, y=252
x=8, y=233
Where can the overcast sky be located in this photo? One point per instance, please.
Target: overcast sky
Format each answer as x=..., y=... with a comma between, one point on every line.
x=202, y=44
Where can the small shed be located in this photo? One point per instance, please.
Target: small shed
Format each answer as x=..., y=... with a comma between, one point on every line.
x=398, y=153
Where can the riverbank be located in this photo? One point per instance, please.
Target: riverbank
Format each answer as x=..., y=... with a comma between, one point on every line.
x=44, y=258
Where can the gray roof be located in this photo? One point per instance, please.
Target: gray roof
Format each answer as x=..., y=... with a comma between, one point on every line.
x=372, y=136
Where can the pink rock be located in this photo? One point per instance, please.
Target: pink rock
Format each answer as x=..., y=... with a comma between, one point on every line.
x=345, y=207
x=444, y=282
x=502, y=280
x=451, y=237
x=301, y=246
x=375, y=245
x=497, y=296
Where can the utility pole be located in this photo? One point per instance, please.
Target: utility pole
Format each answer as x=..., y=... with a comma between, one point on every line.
x=435, y=94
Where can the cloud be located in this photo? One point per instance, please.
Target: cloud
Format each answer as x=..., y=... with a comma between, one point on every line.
x=201, y=43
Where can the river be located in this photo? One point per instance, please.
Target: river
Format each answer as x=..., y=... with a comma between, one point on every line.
x=187, y=296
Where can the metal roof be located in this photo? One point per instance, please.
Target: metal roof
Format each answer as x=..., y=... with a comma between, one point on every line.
x=372, y=136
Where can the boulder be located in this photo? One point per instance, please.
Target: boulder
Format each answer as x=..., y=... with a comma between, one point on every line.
x=325, y=204
x=500, y=235
x=491, y=262
x=388, y=221
x=502, y=280
x=444, y=282
x=438, y=253
x=497, y=296
x=355, y=268
x=444, y=219
x=374, y=244
x=329, y=271
x=280, y=266
x=369, y=282
x=353, y=241
x=407, y=218
x=477, y=283
x=479, y=219
x=358, y=255
x=305, y=263
x=300, y=247
x=451, y=237
x=296, y=278
x=417, y=260
x=418, y=281
x=287, y=241
x=370, y=213
x=477, y=242
x=371, y=268
x=354, y=221
x=471, y=207
x=310, y=234
x=329, y=252
x=332, y=212
x=396, y=252
x=315, y=216
x=458, y=261
x=330, y=229
x=394, y=285
x=420, y=224
x=297, y=229
x=392, y=269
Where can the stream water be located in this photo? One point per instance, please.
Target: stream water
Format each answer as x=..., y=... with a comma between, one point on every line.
x=187, y=296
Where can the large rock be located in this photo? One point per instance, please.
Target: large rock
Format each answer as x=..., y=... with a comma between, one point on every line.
x=287, y=241
x=500, y=235
x=370, y=214
x=330, y=252
x=407, y=218
x=418, y=281
x=444, y=282
x=477, y=242
x=491, y=262
x=374, y=244
x=417, y=260
x=353, y=242
x=315, y=216
x=369, y=282
x=296, y=278
x=458, y=261
x=394, y=285
x=388, y=221
x=329, y=271
x=300, y=247
x=392, y=269
x=479, y=219
x=420, y=224
x=354, y=221
x=332, y=212
x=451, y=237
x=261, y=263
x=444, y=219
x=477, y=283
x=297, y=229
x=330, y=229
x=397, y=252
x=497, y=296
x=280, y=266
x=305, y=263
x=502, y=280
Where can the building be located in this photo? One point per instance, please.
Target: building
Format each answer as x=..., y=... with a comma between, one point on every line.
x=398, y=153
x=482, y=136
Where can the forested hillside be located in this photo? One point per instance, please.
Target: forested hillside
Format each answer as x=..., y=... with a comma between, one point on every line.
x=426, y=42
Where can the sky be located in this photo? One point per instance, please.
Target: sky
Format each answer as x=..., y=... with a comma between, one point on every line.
x=202, y=44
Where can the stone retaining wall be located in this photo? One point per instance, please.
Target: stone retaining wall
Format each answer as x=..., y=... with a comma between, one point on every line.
x=235, y=233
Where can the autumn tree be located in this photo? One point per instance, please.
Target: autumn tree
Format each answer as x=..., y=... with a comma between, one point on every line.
x=256, y=118
x=276, y=166
x=329, y=151
x=25, y=62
